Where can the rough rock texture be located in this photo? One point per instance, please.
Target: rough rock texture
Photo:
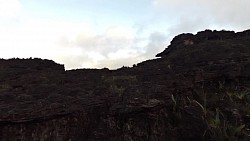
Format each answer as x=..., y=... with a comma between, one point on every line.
x=197, y=90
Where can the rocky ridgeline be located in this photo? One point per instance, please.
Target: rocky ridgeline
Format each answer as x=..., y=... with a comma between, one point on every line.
x=200, y=37
x=197, y=90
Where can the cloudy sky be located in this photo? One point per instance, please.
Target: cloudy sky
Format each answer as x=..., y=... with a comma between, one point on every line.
x=108, y=33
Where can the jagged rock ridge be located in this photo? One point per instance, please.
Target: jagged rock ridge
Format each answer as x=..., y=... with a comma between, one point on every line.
x=197, y=89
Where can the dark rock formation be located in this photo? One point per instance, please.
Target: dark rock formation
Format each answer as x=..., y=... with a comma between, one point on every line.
x=197, y=90
x=202, y=36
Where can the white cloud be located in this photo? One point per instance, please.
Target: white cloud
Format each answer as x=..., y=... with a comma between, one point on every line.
x=106, y=49
x=36, y=38
x=116, y=47
x=9, y=9
x=114, y=38
x=88, y=44
x=77, y=45
x=73, y=44
x=195, y=15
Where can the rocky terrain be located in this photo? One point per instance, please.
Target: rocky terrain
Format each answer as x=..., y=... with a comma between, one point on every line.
x=196, y=90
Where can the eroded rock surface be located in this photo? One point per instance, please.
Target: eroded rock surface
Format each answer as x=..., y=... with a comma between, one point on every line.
x=197, y=90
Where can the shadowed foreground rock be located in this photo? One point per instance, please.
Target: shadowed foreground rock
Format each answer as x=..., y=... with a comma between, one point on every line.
x=197, y=90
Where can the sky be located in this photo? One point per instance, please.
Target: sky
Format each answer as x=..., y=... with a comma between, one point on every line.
x=108, y=33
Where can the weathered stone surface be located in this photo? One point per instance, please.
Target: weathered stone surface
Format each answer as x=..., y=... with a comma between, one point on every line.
x=197, y=89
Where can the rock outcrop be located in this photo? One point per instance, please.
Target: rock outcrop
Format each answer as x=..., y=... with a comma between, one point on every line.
x=200, y=37
x=197, y=90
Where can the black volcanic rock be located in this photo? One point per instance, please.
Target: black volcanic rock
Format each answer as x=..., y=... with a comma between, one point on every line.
x=197, y=90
